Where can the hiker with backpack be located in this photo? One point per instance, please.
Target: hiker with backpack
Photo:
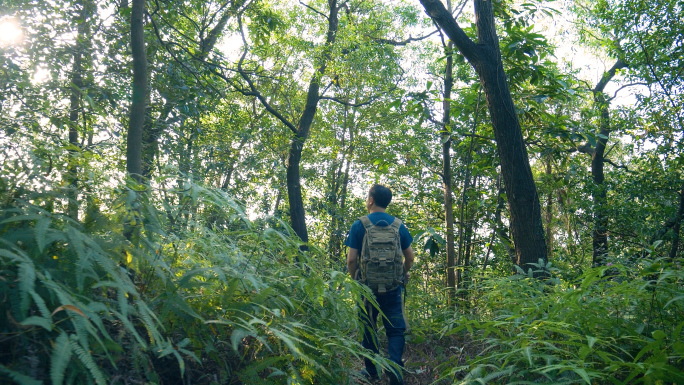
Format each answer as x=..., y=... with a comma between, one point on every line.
x=380, y=256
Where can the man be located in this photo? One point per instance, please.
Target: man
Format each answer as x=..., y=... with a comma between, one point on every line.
x=379, y=197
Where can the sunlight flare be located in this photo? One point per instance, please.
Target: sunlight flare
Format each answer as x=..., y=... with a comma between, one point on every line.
x=10, y=32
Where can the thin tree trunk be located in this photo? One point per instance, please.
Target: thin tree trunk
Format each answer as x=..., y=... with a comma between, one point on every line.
x=338, y=194
x=74, y=109
x=501, y=228
x=233, y=161
x=485, y=57
x=600, y=230
x=549, y=211
x=152, y=131
x=497, y=219
x=468, y=246
x=464, y=198
x=137, y=111
x=447, y=179
x=677, y=226
x=345, y=187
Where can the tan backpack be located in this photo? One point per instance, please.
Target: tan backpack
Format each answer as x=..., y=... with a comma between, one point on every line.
x=381, y=259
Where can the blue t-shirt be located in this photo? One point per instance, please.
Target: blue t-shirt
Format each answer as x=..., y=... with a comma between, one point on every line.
x=357, y=232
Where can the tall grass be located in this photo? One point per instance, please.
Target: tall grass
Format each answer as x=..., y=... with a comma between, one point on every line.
x=613, y=325
x=147, y=291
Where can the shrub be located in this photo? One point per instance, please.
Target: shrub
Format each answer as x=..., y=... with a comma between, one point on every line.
x=614, y=324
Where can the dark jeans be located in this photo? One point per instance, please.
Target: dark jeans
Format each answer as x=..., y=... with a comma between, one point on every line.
x=390, y=304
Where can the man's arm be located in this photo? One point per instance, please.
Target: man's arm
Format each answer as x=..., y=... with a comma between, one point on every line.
x=408, y=259
x=352, y=256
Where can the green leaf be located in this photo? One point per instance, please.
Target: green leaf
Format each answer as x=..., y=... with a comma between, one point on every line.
x=27, y=278
x=61, y=355
x=87, y=359
x=591, y=341
x=43, y=322
x=582, y=373
x=237, y=335
x=678, y=298
x=528, y=354
x=19, y=378
x=41, y=231
x=584, y=352
x=659, y=335
x=591, y=139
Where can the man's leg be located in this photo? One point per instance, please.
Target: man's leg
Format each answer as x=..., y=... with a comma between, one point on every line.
x=395, y=327
x=369, y=320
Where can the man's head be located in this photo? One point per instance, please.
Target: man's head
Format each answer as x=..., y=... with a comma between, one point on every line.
x=379, y=196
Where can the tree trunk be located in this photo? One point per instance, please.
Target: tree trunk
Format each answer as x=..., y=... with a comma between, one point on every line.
x=501, y=230
x=137, y=111
x=294, y=191
x=549, y=211
x=74, y=110
x=464, y=198
x=677, y=225
x=600, y=231
x=152, y=131
x=294, y=187
x=468, y=246
x=497, y=220
x=485, y=57
x=446, y=172
x=338, y=194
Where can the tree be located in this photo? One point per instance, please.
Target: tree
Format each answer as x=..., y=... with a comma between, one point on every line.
x=302, y=127
x=485, y=57
x=447, y=178
x=647, y=37
x=600, y=231
x=137, y=110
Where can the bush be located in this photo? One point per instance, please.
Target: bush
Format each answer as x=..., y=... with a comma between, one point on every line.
x=158, y=295
x=614, y=324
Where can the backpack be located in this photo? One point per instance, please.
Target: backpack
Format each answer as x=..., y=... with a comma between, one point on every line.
x=381, y=259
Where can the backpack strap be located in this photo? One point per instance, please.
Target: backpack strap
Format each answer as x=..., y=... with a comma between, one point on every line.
x=366, y=222
x=396, y=224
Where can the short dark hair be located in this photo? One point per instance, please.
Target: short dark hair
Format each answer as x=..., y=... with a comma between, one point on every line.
x=381, y=195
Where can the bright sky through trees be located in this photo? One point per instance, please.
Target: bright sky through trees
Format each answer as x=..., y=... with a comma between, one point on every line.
x=10, y=31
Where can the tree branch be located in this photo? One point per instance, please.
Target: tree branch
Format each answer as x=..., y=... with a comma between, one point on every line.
x=616, y=165
x=403, y=42
x=628, y=85
x=314, y=10
x=435, y=9
x=608, y=75
x=254, y=91
x=345, y=103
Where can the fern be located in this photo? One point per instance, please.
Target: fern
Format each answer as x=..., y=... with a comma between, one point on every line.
x=19, y=378
x=87, y=360
x=61, y=355
x=27, y=277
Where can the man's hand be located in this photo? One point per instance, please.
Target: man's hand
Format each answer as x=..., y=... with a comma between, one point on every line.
x=352, y=256
x=408, y=262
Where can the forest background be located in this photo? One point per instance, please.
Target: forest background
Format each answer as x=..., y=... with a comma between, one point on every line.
x=178, y=178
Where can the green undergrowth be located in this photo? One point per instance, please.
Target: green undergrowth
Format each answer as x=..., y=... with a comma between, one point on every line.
x=155, y=293
x=613, y=325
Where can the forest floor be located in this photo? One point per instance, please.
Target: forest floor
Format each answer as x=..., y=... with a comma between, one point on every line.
x=421, y=360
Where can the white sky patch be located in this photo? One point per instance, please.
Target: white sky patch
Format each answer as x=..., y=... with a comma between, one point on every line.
x=41, y=75
x=10, y=32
